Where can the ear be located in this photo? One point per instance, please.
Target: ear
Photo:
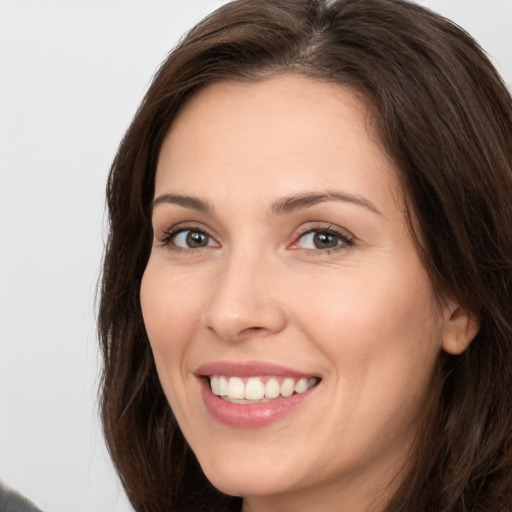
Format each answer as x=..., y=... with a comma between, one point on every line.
x=460, y=327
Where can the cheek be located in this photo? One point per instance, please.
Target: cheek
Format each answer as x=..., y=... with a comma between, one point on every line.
x=171, y=313
x=379, y=329
x=382, y=342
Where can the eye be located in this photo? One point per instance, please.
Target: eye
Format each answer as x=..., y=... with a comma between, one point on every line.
x=184, y=238
x=322, y=239
x=319, y=240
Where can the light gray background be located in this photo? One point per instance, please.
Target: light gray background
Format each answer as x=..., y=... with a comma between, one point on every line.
x=71, y=75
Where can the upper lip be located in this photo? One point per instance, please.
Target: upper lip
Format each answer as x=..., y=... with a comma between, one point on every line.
x=248, y=369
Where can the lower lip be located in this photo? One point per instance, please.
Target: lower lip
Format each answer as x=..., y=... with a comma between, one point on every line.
x=251, y=415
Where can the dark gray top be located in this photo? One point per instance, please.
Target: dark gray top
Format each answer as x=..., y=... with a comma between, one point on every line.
x=12, y=501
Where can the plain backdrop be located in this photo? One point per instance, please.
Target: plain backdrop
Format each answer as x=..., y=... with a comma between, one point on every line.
x=71, y=75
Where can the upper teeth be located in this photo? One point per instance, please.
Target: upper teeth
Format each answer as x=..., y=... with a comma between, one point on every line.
x=254, y=388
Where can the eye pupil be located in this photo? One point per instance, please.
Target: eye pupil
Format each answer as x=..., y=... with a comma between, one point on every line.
x=196, y=239
x=325, y=240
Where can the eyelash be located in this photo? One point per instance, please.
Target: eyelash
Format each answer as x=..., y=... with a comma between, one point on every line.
x=169, y=235
x=346, y=241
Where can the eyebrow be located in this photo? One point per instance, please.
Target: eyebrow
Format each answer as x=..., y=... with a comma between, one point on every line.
x=280, y=207
x=185, y=201
x=308, y=199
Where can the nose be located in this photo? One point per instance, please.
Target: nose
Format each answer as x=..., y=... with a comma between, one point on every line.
x=244, y=301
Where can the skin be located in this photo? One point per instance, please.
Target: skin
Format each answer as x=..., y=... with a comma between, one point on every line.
x=360, y=315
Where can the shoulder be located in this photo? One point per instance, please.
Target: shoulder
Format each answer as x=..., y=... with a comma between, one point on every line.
x=12, y=501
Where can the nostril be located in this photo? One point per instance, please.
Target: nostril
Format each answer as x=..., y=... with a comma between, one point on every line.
x=254, y=329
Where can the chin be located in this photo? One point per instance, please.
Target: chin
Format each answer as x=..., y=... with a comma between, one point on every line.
x=256, y=481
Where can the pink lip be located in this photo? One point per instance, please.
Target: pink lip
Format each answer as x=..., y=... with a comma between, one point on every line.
x=253, y=415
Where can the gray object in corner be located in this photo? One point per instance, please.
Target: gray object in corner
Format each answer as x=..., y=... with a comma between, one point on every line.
x=12, y=501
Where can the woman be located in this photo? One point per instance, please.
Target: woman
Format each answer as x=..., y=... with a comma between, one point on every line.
x=306, y=291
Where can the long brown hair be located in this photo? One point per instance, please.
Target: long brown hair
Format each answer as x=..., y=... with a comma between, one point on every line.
x=444, y=116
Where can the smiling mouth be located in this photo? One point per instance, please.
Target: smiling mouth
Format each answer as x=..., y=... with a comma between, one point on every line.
x=258, y=389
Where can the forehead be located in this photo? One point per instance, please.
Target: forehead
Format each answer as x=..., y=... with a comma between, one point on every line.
x=283, y=133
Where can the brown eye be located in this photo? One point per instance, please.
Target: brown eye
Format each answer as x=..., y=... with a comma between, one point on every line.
x=196, y=239
x=192, y=239
x=320, y=240
x=325, y=240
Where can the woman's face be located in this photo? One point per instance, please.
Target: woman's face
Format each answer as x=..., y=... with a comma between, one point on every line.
x=283, y=264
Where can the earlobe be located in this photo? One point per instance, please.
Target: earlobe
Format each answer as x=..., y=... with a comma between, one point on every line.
x=459, y=330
